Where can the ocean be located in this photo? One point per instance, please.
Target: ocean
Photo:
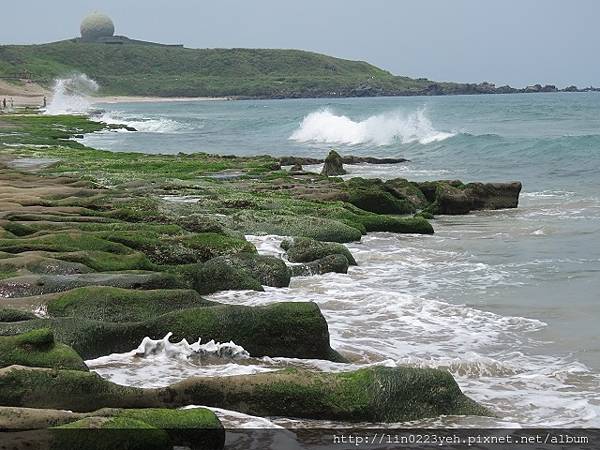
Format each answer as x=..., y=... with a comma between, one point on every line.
x=508, y=301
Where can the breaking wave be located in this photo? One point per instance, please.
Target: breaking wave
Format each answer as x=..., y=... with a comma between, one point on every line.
x=144, y=125
x=72, y=95
x=326, y=127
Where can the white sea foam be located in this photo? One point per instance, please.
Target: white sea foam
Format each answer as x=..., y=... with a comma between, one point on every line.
x=324, y=126
x=143, y=125
x=72, y=95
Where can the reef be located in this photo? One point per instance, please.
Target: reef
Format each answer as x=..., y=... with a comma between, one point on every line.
x=99, y=250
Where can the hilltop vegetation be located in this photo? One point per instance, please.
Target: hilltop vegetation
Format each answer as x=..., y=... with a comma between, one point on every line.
x=173, y=71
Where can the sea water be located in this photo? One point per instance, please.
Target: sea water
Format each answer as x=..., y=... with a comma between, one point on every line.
x=507, y=301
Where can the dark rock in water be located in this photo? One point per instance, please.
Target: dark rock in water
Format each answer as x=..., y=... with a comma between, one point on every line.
x=302, y=250
x=454, y=197
x=333, y=165
x=494, y=195
x=292, y=160
x=329, y=264
x=370, y=160
x=128, y=128
x=406, y=191
x=296, y=168
x=372, y=394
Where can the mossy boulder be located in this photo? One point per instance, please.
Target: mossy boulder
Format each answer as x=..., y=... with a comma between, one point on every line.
x=244, y=271
x=403, y=189
x=454, y=197
x=333, y=165
x=122, y=305
x=38, y=264
x=15, y=315
x=109, y=433
x=295, y=330
x=373, y=394
x=408, y=225
x=303, y=250
x=38, y=349
x=106, y=262
x=198, y=429
x=29, y=285
x=282, y=224
x=371, y=195
x=329, y=264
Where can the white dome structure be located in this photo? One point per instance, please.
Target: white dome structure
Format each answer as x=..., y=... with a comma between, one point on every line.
x=97, y=26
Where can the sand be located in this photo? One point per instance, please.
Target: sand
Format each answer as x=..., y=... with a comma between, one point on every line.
x=31, y=94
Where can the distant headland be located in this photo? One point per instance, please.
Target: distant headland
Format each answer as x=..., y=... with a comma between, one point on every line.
x=130, y=67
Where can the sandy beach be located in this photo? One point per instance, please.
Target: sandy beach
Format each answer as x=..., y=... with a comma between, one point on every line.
x=25, y=94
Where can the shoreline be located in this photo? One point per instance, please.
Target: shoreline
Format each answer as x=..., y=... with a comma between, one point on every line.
x=114, y=99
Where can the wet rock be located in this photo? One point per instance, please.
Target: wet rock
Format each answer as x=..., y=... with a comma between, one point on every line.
x=374, y=394
x=371, y=195
x=237, y=272
x=296, y=169
x=282, y=224
x=111, y=304
x=111, y=428
x=37, y=348
x=29, y=285
x=333, y=165
x=453, y=197
x=329, y=264
x=295, y=330
x=302, y=250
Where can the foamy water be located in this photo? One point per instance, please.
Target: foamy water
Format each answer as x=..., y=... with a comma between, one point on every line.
x=325, y=126
x=419, y=300
x=504, y=300
x=72, y=95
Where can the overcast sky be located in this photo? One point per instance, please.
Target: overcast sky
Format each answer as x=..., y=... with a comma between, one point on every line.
x=518, y=42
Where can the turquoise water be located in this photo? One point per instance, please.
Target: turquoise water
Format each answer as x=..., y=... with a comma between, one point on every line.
x=507, y=300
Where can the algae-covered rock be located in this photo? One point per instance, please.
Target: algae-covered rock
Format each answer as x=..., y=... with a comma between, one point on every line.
x=454, y=197
x=295, y=330
x=244, y=271
x=405, y=190
x=38, y=349
x=122, y=305
x=302, y=250
x=329, y=264
x=29, y=285
x=333, y=165
x=371, y=195
x=198, y=429
x=282, y=224
x=38, y=264
x=15, y=315
x=410, y=225
x=373, y=394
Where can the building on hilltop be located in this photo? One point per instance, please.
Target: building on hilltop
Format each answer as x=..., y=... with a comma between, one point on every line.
x=98, y=28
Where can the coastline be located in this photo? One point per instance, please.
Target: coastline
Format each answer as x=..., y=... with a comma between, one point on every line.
x=114, y=99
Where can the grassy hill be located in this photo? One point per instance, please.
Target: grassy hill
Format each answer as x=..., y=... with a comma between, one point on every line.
x=172, y=71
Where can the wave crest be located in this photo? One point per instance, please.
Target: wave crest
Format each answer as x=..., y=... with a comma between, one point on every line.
x=71, y=95
x=384, y=129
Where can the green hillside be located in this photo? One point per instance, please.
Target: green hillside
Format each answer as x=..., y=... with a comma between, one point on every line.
x=149, y=70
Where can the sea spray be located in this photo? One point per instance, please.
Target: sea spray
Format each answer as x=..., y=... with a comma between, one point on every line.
x=324, y=126
x=72, y=95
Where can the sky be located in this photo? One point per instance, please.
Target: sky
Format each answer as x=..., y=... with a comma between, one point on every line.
x=516, y=42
